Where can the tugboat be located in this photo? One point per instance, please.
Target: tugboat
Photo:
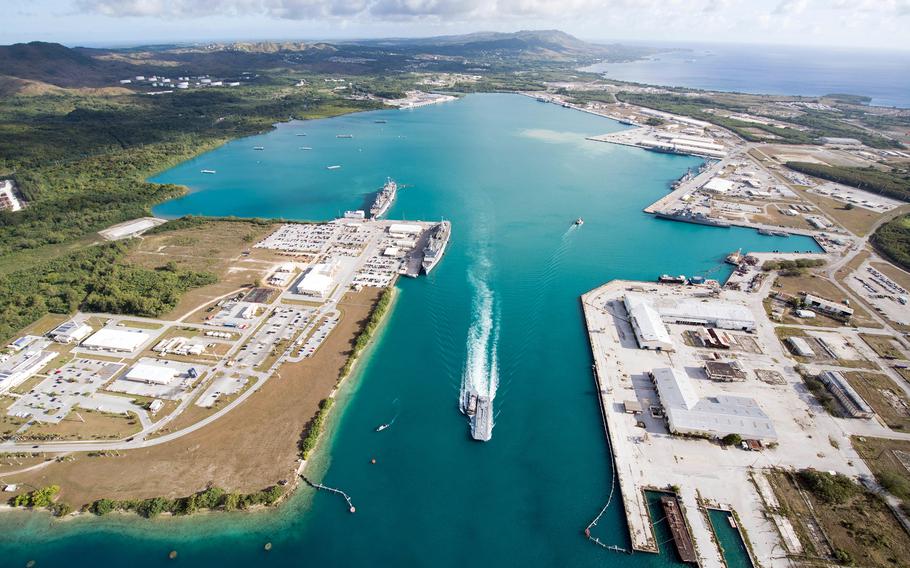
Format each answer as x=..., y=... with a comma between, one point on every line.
x=579, y=222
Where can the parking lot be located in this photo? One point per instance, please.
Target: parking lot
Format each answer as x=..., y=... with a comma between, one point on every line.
x=73, y=384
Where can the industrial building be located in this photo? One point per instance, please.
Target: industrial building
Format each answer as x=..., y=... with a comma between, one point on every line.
x=405, y=229
x=318, y=281
x=713, y=416
x=18, y=368
x=151, y=373
x=113, y=339
x=650, y=331
x=846, y=395
x=711, y=313
x=70, y=332
x=718, y=185
x=800, y=347
x=829, y=307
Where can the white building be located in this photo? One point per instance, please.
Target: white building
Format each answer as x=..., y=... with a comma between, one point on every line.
x=18, y=368
x=712, y=313
x=828, y=306
x=405, y=229
x=21, y=343
x=718, y=185
x=113, y=339
x=70, y=332
x=151, y=373
x=713, y=416
x=315, y=283
x=319, y=281
x=650, y=331
x=800, y=346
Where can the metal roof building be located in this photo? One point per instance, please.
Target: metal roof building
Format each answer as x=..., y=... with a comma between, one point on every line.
x=800, y=346
x=846, y=395
x=716, y=313
x=713, y=416
x=114, y=339
x=70, y=332
x=151, y=373
x=650, y=331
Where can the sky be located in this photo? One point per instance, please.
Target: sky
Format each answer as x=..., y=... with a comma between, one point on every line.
x=842, y=23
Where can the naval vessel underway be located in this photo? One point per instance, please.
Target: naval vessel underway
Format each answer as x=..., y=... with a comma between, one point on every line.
x=479, y=409
x=436, y=246
x=384, y=199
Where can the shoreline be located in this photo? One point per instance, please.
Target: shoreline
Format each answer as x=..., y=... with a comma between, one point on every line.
x=290, y=489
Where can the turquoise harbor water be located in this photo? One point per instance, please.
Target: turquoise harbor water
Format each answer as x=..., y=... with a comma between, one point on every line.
x=511, y=174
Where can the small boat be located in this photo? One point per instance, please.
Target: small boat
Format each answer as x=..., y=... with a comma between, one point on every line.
x=258, y=147
x=333, y=167
x=305, y=148
x=382, y=427
x=207, y=171
x=380, y=121
x=579, y=221
x=732, y=521
x=304, y=134
x=344, y=136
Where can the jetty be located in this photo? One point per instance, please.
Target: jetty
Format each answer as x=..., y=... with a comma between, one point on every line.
x=347, y=497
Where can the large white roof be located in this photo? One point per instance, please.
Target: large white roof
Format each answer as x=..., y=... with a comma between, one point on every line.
x=315, y=282
x=119, y=339
x=719, y=415
x=647, y=320
x=151, y=373
x=719, y=185
x=716, y=310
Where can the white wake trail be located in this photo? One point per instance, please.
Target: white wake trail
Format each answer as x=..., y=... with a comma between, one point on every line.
x=481, y=371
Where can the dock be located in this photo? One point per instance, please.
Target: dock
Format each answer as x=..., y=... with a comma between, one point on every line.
x=606, y=369
x=347, y=497
x=681, y=537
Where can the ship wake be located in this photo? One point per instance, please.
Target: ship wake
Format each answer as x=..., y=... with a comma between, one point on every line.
x=481, y=371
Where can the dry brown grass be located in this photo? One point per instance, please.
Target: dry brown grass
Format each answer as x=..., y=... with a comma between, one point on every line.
x=251, y=447
x=774, y=216
x=215, y=247
x=885, y=346
x=93, y=426
x=858, y=220
x=886, y=398
x=863, y=527
x=821, y=286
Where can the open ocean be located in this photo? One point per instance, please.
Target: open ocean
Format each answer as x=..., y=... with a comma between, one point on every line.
x=775, y=70
x=512, y=175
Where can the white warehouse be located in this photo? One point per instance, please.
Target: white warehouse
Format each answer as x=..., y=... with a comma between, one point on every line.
x=113, y=339
x=650, y=331
x=712, y=416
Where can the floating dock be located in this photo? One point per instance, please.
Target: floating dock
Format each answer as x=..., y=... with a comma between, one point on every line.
x=681, y=537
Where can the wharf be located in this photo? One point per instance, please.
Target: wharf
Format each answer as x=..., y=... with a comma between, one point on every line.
x=606, y=370
x=414, y=260
x=681, y=537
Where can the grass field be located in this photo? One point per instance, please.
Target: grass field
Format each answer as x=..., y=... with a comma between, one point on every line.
x=884, y=457
x=821, y=286
x=93, y=426
x=862, y=529
x=885, y=398
x=214, y=246
x=885, y=346
x=858, y=220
